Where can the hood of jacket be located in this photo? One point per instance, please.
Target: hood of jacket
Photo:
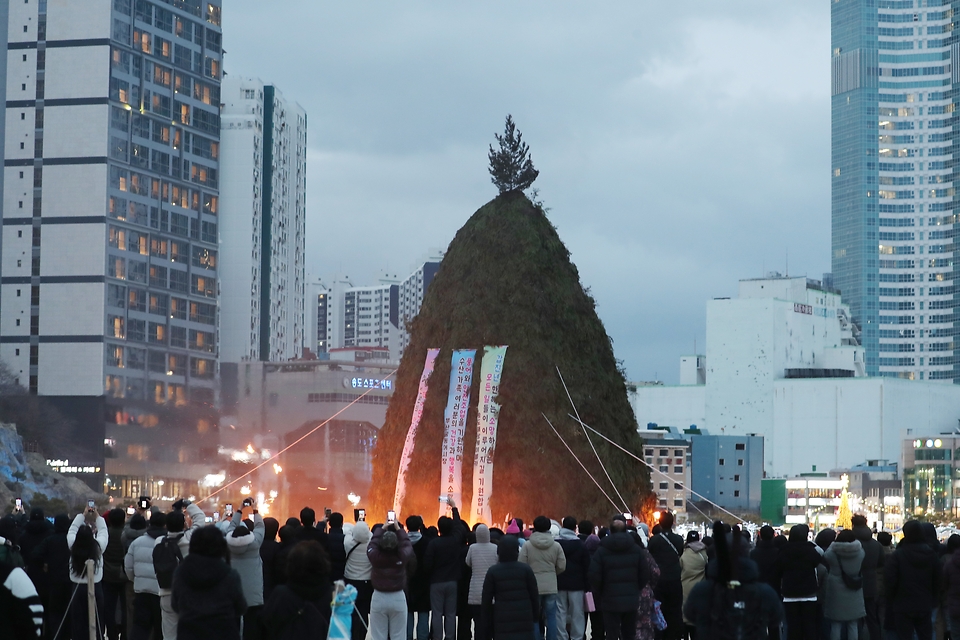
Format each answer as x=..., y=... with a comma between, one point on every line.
x=863, y=533
x=696, y=546
x=618, y=542
x=799, y=533
x=913, y=532
x=361, y=533
x=240, y=542
x=416, y=536
x=568, y=534
x=541, y=540
x=156, y=532
x=508, y=550
x=482, y=533
x=592, y=543
x=847, y=549
x=201, y=572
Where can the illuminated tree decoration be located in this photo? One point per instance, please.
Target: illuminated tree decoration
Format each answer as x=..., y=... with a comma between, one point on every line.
x=844, y=516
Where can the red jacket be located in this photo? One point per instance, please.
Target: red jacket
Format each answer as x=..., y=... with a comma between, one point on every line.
x=389, y=568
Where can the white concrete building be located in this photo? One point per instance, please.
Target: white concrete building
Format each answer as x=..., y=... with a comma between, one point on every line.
x=263, y=206
x=782, y=361
x=340, y=314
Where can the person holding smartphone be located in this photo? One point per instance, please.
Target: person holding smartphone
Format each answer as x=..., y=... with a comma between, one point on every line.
x=244, y=545
x=389, y=551
x=86, y=545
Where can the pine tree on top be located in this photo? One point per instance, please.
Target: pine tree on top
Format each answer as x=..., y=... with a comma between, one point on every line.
x=511, y=168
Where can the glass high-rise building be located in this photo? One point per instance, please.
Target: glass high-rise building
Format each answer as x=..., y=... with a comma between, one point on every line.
x=110, y=223
x=893, y=91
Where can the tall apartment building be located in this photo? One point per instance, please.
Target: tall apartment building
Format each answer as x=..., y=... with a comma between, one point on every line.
x=894, y=90
x=263, y=204
x=110, y=225
x=341, y=315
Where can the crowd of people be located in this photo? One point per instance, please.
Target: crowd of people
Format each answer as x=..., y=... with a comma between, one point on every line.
x=171, y=576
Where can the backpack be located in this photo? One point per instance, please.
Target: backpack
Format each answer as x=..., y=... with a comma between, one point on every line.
x=166, y=559
x=735, y=614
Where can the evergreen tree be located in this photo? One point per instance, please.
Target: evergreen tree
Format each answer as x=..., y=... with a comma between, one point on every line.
x=511, y=168
x=844, y=516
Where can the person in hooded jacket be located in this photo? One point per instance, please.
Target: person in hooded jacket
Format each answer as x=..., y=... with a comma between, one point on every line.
x=177, y=530
x=572, y=583
x=114, y=579
x=765, y=555
x=135, y=527
x=244, y=545
x=872, y=565
x=510, y=603
x=357, y=573
x=843, y=605
x=207, y=591
x=732, y=602
x=268, y=555
x=53, y=555
x=335, y=550
x=618, y=571
x=443, y=562
x=34, y=532
x=138, y=565
x=300, y=608
x=796, y=573
x=951, y=589
x=546, y=558
x=912, y=583
x=481, y=555
x=885, y=539
x=389, y=552
x=20, y=604
x=693, y=568
x=418, y=583
x=590, y=544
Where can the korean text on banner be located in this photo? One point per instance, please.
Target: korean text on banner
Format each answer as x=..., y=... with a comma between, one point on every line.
x=401, y=490
x=455, y=425
x=488, y=413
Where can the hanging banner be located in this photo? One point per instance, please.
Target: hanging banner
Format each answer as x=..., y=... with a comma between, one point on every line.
x=455, y=426
x=488, y=412
x=407, y=454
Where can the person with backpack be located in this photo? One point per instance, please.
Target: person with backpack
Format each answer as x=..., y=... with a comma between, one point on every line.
x=86, y=542
x=572, y=583
x=843, y=601
x=207, y=593
x=666, y=547
x=732, y=602
x=168, y=553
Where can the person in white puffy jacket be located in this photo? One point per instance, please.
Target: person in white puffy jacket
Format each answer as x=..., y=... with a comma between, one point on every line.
x=244, y=546
x=87, y=539
x=357, y=572
x=177, y=529
x=138, y=565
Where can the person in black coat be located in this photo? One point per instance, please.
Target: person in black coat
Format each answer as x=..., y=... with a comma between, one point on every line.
x=335, y=550
x=444, y=564
x=572, y=583
x=268, y=555
x=418, y=583
x=618, y=572
x=510, y=604
x=300, y=609
x=53, y=555
x=207, y=593
x=872, y=563
x=765, y=555
x=912, y=583
x=666, y=547
x=796, y=577
x=308, y=518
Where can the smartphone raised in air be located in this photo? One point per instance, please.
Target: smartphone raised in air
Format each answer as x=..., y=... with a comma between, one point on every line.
x=391, y=516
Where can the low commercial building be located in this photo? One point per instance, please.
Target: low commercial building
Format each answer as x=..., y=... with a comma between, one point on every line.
x=929, y=471
x=727, y=470
x=668, y=457
x=812, y=500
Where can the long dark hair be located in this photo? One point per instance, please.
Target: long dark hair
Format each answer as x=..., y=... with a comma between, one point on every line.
x=84, y=548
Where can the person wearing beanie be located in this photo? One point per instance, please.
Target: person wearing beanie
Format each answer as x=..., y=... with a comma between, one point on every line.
x=389, y=552
x=244, y=547
x=510, y=602
x=513, y=529
x=480, y=557
x=178, y=531
x=572, y=583
x=357, y=573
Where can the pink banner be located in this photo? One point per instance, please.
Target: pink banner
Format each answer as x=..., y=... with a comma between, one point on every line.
x=407, y=454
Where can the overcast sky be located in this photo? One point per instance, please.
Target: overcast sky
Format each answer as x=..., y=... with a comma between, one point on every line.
x=680, y=148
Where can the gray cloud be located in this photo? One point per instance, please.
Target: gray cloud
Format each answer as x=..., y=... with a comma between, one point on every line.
x=680, y=149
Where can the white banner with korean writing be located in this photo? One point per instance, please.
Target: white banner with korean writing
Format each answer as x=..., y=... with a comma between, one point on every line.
x=455, y=425
x=488, y=413
x=407, y=454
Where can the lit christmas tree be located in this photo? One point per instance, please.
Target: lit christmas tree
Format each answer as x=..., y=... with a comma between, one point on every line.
x=844, y=516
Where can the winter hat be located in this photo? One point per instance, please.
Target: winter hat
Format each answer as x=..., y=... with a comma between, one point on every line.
x=388, y=541
x=138, y=522
x=240, y=531
x=512, y=528
x=509, y=549
x=591, y=543
x=482, y=533
x=526, y=534
x=693, y=536
x=158, y=519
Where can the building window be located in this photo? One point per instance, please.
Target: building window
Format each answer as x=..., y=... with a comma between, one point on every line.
x=740, y=462
x=663, y=452
x=678, y=502
x=664, y=468
x=663, y=486
x=678, y=453
x=741, y=446
x=720, y=461
x=313, y=397
x=678, y=469
x=736, y=493
x=736, y=478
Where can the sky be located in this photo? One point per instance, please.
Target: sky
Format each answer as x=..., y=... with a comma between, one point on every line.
x=679, y=149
